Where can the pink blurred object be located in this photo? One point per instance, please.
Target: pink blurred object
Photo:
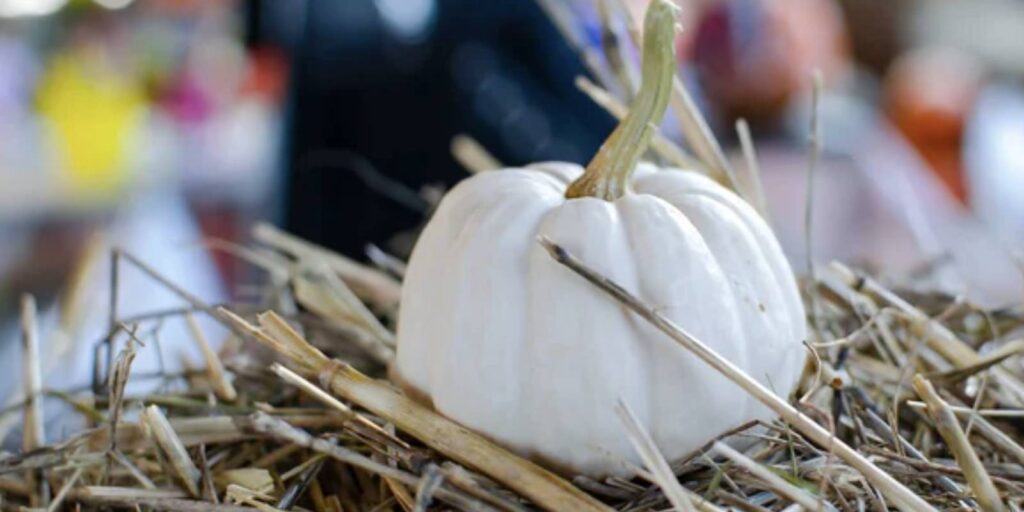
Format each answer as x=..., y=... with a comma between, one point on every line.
x=186, y=102
x=752, y=56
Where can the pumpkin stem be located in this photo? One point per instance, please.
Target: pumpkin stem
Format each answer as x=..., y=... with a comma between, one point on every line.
x=608, y=174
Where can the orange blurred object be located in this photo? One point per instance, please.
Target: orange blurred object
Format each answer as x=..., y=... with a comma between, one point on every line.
x=268, y=73
x=929, y=94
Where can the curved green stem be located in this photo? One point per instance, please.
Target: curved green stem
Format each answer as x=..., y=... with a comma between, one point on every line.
x=608, y=174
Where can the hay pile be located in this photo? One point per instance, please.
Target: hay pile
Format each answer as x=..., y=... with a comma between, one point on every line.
x=926, y=389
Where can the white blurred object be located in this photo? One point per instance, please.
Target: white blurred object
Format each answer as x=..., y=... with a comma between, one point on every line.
x=994, y=161
x=114, y=4
x=409, y=20
x=989, y=29
x=19, y=8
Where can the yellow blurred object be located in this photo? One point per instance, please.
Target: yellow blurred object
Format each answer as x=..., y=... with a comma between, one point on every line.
x=95, y=116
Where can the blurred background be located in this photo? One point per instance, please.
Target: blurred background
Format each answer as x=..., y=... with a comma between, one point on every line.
x=162, y=125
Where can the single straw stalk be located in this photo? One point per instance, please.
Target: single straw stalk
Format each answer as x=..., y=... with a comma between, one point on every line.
x=1004, y=352
x=623, y=69
x=900, y=495
x=472, y=155
x=697, y=132
x=967, y=411
x=323, y=397
x=33, y=435
x=132, y=469
x=115, y=389
x=680, y=497
x=775, y=483
x=33, y=426
x=750, y=180
x=156, y=500
x=814, y=156
x=219, y=381
x=957, y=442
x=65, y=489
x=185, y=471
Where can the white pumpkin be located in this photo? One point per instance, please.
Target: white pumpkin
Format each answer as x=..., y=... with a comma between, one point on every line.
x=501, y=338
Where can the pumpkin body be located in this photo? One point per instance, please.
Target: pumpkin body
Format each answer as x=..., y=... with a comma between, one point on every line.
x=501, y=338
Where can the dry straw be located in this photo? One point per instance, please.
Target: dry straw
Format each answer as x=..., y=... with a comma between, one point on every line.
x=331, y=434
